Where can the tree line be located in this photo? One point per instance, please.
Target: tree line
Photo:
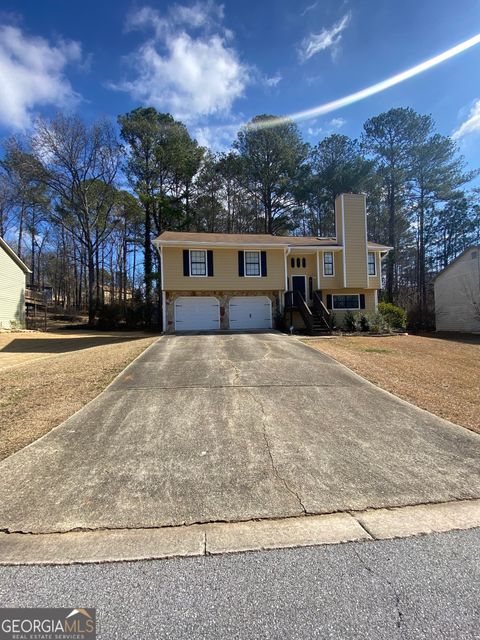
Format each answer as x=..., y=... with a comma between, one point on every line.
x=82, y=202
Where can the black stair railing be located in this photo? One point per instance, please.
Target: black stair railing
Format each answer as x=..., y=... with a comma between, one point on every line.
x=321, y=310
x=295, y=300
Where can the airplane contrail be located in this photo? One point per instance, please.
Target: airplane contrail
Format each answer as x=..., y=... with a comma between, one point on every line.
x=373, y=89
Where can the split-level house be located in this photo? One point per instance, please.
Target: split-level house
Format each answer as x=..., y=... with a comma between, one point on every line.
x=213, y=281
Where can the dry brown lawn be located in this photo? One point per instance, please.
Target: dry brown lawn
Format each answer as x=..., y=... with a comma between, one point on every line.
x=46, y=377
x=437, y=373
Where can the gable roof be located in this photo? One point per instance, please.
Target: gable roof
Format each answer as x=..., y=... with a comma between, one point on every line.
x=459, y=257
x=249, y=239
x=10, y=252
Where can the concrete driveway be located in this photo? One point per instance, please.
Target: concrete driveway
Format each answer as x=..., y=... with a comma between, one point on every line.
x=208, y=428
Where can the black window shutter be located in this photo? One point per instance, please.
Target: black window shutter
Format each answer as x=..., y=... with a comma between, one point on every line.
x=362, y=301
x=263, y=257
x=329, y=300
x=310, y=287
x=186, y=262
x=241, y=267
x=209, y=263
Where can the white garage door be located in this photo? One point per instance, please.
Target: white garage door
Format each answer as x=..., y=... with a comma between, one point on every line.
x=250, y=312
x=197, y=314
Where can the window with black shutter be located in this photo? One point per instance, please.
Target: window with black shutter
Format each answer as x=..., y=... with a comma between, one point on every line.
x=198, y=263
x=210, y=263
x=241, y=264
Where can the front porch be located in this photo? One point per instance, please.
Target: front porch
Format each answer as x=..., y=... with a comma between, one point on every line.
x=316, y=318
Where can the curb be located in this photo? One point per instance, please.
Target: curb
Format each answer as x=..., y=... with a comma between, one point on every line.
x=117, y=545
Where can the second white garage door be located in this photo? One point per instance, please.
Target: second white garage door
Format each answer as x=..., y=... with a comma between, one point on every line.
x=250, y=312
x=196, y=313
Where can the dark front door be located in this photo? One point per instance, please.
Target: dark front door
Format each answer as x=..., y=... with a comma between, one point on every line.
x=298, y=284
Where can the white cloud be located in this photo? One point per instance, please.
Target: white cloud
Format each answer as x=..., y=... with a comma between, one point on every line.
x=337, y=123
x=32, y=72
x=308, y=8
x=326, y=39
x=188, y=66
x=217, y=139
x=327, y=129
x=471, y=124
x=273, y=80
x=206, y=15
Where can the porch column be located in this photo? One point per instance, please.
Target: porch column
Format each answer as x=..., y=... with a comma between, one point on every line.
x=286, y=252
x=318, y=270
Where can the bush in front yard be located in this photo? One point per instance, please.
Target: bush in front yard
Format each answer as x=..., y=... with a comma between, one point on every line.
x=394, y=316
x=349, y=322
x=378, y=323
x=362, y=321
x=365, y=322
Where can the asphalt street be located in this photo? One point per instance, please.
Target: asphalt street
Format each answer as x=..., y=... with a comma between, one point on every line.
x=414, y=588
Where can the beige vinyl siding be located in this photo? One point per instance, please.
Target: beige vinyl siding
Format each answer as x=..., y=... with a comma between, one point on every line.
x=374, y=282
x=12, y=292
x=225, y=269
x=330, y=282
x=370, y=301
x=355, y=240
x=457, y=292
x=370, y=305
x=310, y=269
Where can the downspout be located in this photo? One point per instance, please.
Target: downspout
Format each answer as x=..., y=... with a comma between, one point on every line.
x=164, y=297
x=286, y=253
x=318, y=271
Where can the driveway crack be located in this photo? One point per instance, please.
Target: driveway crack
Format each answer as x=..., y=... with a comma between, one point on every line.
x=279, y=477
x=237, y=373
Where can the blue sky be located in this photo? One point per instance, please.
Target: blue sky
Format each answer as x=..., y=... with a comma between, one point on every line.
x=216, y=65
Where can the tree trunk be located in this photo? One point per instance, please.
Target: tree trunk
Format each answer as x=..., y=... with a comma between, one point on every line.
x=102, y=291
x=422, y=285
x=390, y=270
x=97, y=272
x=91, y=286
x=20, y=232
x=148, y=265
x=124, y=264
x=32, y=240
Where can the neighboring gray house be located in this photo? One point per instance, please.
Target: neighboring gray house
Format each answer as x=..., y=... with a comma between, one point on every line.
x=12, y=287
x=457, y=293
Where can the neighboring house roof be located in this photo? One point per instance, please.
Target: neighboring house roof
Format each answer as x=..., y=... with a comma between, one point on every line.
x=459, y=257
x=9, y=251
x=247, y=239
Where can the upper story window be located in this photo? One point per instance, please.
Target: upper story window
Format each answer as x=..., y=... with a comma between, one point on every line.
x=372, y=268
x=198, y=263
x=328, y=263
x=252, y=263
x=300, y=262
